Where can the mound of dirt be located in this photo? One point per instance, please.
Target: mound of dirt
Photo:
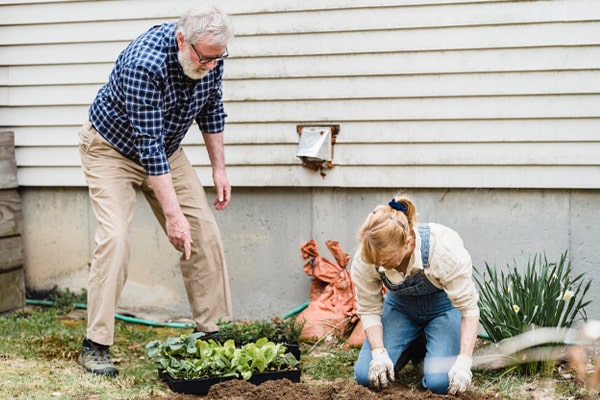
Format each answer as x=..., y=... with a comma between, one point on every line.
x=284, y=389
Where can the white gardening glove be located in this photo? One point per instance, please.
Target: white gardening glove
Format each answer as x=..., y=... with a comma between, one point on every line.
x=460, y=374
x=381, y=369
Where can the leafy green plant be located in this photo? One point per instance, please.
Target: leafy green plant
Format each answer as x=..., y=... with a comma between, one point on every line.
x=278, y=330
x=188, y=357
x=65, y=300
x=542, y=294
x=288, y=330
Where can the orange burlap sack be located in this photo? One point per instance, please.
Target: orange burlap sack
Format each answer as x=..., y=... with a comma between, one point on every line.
x=310, y=251
x=332, y=306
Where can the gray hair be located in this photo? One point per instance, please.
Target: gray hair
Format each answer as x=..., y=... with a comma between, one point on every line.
x=205, y=22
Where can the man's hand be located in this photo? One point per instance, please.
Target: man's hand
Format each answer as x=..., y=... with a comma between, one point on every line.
x=177, y=226
x=223, y=189
x=460, y=375
x=214, y=146
x=381, y=369
x=180, y=234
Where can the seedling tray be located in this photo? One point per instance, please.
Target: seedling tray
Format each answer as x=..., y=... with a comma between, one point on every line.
x=202, y=385
x=294, y=348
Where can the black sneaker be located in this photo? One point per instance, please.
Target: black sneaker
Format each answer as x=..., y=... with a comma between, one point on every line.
x=95, y=358
x=214, y=335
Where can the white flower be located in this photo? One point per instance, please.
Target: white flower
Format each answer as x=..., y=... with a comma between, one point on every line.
x=516, y=308
x=568, y=295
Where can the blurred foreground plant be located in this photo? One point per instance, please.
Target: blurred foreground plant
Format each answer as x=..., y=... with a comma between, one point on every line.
x=540, y=294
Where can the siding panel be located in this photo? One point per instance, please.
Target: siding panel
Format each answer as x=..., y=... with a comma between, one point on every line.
x=498, y=107
x=18, y=12
x=511, y=177
x=366, y=88
x=347, y=42
x=554, y=59
x=461, y=131
x=469, y=93
x=421, y=39
x=355, y=155
x=450, y=108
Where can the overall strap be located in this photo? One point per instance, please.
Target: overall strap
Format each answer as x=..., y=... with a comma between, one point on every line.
x=424, y=232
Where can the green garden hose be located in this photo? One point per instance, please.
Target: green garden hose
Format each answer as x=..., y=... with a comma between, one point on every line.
x=295, y=310
x=119, y=316
x=147, y=322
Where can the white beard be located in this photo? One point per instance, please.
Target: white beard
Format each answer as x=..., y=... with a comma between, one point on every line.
x=190, y=68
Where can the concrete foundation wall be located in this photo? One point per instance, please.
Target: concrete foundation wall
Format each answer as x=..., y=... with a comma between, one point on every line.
x=263, y=230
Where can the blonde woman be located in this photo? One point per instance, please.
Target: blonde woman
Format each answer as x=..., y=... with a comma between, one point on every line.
x=429, y=291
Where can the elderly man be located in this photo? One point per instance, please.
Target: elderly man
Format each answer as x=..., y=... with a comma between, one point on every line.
x=163, y=81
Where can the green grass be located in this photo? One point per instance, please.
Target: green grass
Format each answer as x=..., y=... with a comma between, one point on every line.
x=39, y=347
x=335, y=364
x=38, y=353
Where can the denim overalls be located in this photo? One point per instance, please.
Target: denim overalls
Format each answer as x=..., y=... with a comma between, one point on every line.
x=414, y=306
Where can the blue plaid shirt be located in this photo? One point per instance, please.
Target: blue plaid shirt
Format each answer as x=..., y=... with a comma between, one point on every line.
x=148, y=104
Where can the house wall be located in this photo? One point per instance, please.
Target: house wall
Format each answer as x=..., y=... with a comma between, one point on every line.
x=486, y=111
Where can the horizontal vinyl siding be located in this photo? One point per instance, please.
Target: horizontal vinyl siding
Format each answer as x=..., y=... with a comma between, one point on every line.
x=363, y=88
x=427, y=93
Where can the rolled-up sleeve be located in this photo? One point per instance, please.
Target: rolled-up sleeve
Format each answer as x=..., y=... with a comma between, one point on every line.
x=212, y=117
x=369, y=294
x=143, y=103
x=452, y=268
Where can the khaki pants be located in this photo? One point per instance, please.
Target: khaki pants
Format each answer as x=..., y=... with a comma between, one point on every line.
x=112, y=181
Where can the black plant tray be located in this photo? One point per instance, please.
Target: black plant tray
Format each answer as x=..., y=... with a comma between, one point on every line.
x=201, y=386
x=294, y=348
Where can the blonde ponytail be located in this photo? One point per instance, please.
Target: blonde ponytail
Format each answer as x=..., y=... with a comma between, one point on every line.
x=386, y=229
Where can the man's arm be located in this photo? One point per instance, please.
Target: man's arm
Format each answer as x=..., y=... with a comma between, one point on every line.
x=177, y=226
x=216, y=154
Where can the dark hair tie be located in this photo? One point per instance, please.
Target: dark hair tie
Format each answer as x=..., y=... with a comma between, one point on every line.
x=397, y=206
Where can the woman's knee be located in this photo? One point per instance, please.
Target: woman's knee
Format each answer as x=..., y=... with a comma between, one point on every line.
x=437, y=383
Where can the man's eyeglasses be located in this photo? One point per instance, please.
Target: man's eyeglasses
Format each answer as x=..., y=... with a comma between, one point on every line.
x=205, y=60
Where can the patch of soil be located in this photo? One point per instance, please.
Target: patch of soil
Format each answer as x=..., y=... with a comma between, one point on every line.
x=284, y=389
